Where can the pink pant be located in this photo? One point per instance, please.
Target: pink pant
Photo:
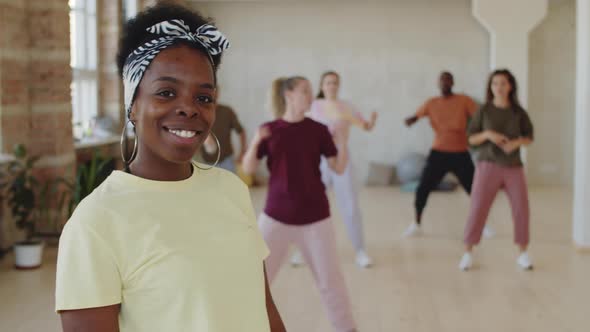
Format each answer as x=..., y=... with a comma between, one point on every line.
x=317, y=243
x=489, y=179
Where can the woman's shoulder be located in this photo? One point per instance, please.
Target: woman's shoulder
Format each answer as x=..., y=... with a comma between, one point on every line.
x=315, y=124
x=317, y=102
x=105, y=203
x=486, y=107
x=93, y=211
x=271, y=123
x=317, y=106
x=225, y=180
x=227, y=186
x=346, y=103
x=315, y=129
x=520, y=109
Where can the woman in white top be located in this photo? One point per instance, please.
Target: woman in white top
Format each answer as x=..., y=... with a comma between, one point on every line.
x=339, y=115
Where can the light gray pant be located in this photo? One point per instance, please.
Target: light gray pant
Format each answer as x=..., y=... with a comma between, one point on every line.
x=345, y=191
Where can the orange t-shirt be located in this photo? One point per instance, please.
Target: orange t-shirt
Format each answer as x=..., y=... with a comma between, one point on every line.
x=448, y=117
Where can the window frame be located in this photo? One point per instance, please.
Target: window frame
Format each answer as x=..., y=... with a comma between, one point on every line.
x=84, y=51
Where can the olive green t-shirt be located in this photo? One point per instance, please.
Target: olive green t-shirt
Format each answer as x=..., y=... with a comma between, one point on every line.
x=512, y=122
x=226, y=121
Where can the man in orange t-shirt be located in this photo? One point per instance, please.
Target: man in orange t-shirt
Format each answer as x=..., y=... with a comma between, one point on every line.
x=449, y=115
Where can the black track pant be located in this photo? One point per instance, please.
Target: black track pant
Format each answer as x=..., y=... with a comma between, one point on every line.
x=437, y=166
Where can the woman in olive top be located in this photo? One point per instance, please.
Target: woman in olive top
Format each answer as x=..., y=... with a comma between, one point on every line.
x=498, y=130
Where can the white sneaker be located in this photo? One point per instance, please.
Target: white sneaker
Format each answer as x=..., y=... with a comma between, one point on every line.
x=488, y=232
x=297, y=259
x=466, y=262
x=413, y=230
x=363, y=260
x=524, y=261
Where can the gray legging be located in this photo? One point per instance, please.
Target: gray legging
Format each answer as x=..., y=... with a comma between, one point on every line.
x=345, y=190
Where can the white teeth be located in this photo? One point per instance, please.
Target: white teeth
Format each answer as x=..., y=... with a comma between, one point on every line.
x=183, y=133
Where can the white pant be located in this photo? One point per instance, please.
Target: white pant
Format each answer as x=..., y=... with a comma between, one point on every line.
x=345, y=191
x=317, y=243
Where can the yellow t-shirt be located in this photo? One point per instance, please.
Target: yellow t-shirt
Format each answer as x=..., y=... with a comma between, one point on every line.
x=178, y=256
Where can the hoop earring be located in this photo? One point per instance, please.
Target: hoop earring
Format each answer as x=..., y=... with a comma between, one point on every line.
x=218, y=156
x=134, y=153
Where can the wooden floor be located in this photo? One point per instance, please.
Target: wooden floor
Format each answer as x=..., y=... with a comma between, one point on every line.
x=415, y=285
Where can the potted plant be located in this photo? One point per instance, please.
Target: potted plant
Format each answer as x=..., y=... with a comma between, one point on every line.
x=89, y=176
x=19, y=188
x=32, y=202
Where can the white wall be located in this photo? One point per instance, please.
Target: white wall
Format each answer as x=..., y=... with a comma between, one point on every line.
x=509, y=33
x=552, y=95
x=389, y=55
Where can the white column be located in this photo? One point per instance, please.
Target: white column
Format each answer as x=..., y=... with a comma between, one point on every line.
x=582, y=151
x=509, y=23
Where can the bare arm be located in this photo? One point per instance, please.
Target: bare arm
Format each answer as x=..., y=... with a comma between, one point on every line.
x=243, y=145
x=358, y=122
x=479, y=138
x=514, y=144
x=525, y=141
x=339, y=162
x=356, y=119
x=274, y=318
x=488, y=135
x=102, y=319
x=362, y=123
x=423, y=111
x=411, y=120
x=369, y=125
x=250, y=161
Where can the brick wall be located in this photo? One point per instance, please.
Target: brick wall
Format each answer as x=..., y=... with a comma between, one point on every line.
x=14, y=70
x=35, y=77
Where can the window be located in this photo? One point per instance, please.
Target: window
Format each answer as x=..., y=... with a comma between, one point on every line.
x=84, y=62
x=129, y=9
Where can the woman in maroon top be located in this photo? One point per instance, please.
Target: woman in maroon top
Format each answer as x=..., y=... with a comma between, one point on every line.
x=297, y=211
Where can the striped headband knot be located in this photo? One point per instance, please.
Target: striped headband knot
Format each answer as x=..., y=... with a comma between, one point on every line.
x=170, y=31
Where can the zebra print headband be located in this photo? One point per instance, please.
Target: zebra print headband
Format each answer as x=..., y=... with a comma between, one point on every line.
x=137, y=62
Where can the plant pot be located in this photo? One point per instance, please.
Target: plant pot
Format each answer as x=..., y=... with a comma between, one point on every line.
x=28, y=255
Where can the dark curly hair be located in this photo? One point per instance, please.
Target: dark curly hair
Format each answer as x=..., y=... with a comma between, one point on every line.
x=135, y=33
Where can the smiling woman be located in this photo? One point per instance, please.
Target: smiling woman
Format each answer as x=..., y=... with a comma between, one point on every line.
x=167, y=245
x=173, y=112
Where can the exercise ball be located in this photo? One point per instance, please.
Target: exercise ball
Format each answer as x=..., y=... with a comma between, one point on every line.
x=410, y=167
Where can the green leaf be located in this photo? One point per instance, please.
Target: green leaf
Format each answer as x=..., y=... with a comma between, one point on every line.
x=20, y=151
